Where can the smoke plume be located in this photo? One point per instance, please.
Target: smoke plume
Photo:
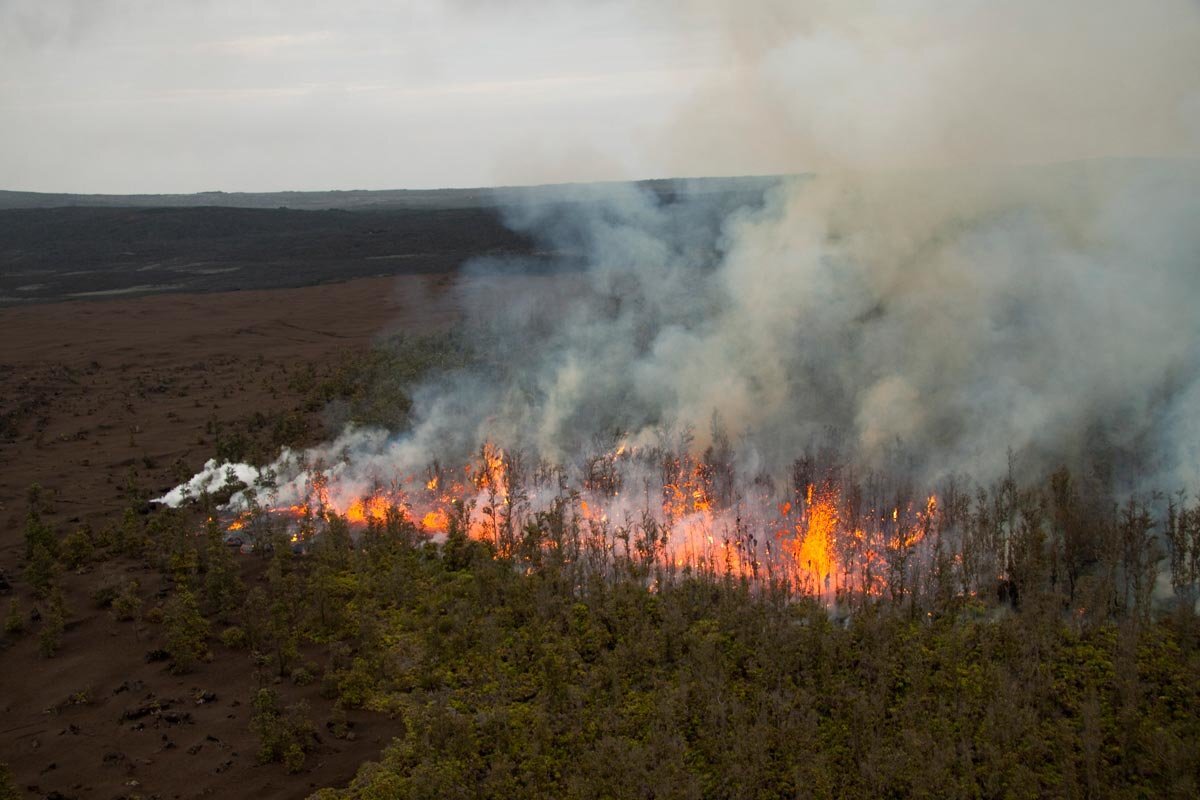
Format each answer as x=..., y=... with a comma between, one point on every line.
x=931, y=297
x=931, y=321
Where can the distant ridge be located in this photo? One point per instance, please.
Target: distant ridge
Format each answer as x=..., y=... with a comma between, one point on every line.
x=375, y=199
x=498, y=196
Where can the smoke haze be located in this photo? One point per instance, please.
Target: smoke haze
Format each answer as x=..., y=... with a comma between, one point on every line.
x=920, y=302
x=819, y=86
x=930, y=321
x=138, y=96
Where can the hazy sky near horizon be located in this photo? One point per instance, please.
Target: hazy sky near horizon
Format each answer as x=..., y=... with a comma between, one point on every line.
x=261, y=95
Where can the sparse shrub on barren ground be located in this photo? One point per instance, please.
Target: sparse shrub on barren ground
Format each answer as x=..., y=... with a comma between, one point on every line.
x=8, y=789
x=368, y=387
x=185, y=630
x=53, y=625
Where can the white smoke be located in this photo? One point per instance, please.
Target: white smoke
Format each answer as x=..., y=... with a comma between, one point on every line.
x=949, y=316
x=920, y=309
x=212, y=479
x=924, y=313
x=834, y=85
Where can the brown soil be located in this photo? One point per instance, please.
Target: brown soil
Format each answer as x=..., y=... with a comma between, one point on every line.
x=93, y=392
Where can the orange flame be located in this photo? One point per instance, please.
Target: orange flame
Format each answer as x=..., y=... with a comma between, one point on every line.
x=436, y=521
x=822, y=544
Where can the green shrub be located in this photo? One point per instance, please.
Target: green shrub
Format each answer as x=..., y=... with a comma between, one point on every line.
x=53, y=625
x=235, y=638
x=77, y=548
x=284, y=734
x=186, y=631
x=302, y=676
x=14, y=623
x=38, y=534
x=8, y=787
x=127, y=604
x=42, y=570
x=103, y=596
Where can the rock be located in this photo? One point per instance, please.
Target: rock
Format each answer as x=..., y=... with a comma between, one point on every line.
x=138, y=712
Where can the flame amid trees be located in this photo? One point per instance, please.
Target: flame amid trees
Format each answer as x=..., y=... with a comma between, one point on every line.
x=657, y=510
x=664, y=512
x=668, y=510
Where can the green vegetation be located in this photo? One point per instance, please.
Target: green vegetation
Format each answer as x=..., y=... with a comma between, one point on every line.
x=127, y=603
x=42, y=570
x=8, y=787
x=527, y=685
x=186, y=631
x=364, y=387
x=14, y=622
x=37, y=532
x=543, y=664
x=53, y=625
x=284, y=734
x=77, y=548
x=373, y=386
x=528, y=671
x=1026, y=656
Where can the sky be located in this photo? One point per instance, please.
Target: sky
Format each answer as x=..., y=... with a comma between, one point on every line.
x=262, y=95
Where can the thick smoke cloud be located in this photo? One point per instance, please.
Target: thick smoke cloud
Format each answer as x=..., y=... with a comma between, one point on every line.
x=923, y=312
x=918, y=301
x=929, y=321
x=871, y=84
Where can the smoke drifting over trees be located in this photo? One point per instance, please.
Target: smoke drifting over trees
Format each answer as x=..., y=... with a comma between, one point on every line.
x=928, y=320
x=917, y=304
x=923, y=310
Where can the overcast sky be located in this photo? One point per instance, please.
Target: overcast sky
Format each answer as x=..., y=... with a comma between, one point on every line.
x=191, y=95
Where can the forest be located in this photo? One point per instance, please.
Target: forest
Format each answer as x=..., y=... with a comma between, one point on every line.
x=1035, y=637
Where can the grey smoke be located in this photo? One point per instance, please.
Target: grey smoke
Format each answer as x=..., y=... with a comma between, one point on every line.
x=932, y=319
x=925, y=314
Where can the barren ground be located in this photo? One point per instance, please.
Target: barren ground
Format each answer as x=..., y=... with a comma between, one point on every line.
x=96, y=391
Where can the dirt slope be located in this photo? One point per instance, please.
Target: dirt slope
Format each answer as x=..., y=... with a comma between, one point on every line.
x=91, y=393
